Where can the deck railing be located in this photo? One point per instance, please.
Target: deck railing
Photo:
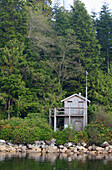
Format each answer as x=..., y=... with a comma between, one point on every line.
x=66, y=111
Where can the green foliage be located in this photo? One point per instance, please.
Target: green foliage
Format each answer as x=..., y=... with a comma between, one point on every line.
x=12, y=21
x=43, y=57
x=64, y=136
x=104, y=35
x=82, y=25
x=98, y=133
x=32, y=128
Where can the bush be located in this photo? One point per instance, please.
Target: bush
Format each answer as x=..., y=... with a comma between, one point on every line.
x=67, y=135
x=27, y=130
x=98, y=133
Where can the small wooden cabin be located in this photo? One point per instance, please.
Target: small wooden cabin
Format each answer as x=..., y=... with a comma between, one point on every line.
x=74, y=113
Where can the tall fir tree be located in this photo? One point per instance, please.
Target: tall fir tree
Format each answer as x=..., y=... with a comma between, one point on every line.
x=13, y=20
x=104, y=35
x=82, y=25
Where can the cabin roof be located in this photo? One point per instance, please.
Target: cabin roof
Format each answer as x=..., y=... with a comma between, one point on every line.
x=78, y=95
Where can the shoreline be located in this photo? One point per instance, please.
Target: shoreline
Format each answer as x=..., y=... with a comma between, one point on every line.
x=46, y=147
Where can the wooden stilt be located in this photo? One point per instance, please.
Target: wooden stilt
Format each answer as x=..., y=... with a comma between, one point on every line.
x=50, y=117
x=54, y=119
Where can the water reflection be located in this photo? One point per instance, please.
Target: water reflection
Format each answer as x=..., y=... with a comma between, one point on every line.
x=52, y=157
x=4, y=155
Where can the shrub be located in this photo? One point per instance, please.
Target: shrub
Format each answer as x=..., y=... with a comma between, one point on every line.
x=64, y=136
x=27, y=130
x=98, y=133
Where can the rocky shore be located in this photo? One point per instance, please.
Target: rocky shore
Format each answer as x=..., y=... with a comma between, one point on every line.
x=51, y=147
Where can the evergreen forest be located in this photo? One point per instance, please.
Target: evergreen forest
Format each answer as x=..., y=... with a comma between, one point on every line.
x=44, y=55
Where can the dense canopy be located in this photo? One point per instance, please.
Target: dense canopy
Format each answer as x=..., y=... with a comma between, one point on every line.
x=45, y=53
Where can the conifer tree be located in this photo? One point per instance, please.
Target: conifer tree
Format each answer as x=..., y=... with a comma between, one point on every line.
x=12, y=20
x=11, y=84
x=82, y=25
x=104, y=35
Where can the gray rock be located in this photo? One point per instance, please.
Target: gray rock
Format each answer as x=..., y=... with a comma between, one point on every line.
x=2, y=141
x=93, y=147
x=104, y=144
x=53, y=141
x=42, y=143
x=90, y=148
x=61, y=146
x=53, y=149
x=52, y=144
x=107, y=149
x=48, y=142
x=99, y=148
x=70, y=144
x=37, y=142
x=110, y=146
x=30, y=146
x=2, y=148
x=84, y=144
x=78, y=144
x=81, y=148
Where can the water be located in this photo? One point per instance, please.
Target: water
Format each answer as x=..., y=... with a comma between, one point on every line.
x=34, y=161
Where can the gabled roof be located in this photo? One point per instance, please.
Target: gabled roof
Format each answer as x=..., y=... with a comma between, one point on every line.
x=78, y=95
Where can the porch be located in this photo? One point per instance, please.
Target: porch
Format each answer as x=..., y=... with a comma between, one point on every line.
x=68, y=114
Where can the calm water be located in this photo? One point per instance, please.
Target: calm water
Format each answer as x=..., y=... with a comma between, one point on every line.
x=35, y=161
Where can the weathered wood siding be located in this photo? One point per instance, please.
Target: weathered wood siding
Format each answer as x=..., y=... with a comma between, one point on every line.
x=77, y=122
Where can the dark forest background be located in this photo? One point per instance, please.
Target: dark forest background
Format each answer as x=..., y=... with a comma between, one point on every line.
x=45, y=53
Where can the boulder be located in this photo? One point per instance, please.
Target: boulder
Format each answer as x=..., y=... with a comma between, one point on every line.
x=104, y=144
x=23, y=149
x=110, y=146
x=30, y=146
x=53, y=141
x=80, y=148
x=36, y=149
x=61, y=146
x=2, y=141
x=110, y=150
x=106, y=149
x=99, y=148
x=48, y=142
x=93, y=147
x=37, y=142
x=42, y=142
x=69, y=144
x=90, y=148
x=84, y=144
x=2, y=148
x=53, y=149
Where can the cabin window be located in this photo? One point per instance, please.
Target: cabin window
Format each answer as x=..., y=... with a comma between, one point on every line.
x=80, y=104
x=69, y=101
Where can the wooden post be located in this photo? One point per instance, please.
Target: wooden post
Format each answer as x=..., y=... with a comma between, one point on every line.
x=83, y=118
x=69, y=117
x=54, y=119
x=50, y=117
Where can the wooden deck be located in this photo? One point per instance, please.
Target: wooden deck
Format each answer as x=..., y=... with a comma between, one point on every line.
x=65, y=112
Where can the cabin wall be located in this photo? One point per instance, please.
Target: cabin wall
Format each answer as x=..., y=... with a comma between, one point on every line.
x=77, y=122
x=74, y=102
